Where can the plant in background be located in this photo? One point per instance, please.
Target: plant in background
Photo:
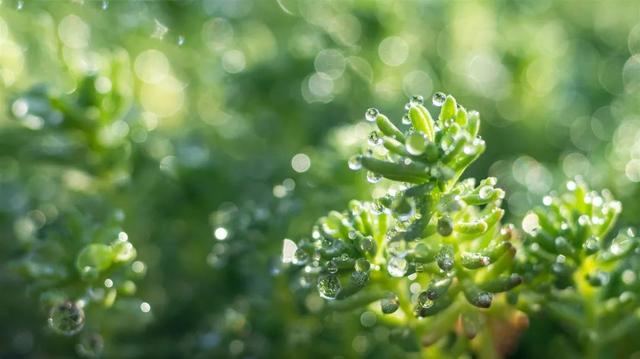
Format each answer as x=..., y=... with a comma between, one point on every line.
x=71, y=250
x=431, y=255
x=580, y=275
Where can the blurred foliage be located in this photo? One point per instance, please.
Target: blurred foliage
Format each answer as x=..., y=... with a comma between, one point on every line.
x=208, y=131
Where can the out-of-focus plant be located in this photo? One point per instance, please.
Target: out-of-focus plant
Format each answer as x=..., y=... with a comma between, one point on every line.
x=72, y=251
x=578, y=273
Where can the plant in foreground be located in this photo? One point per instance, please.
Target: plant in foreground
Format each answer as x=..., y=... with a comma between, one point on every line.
x=432, y=257
x=433, y=247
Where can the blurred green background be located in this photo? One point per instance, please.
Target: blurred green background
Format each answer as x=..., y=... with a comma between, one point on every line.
x=220, y=127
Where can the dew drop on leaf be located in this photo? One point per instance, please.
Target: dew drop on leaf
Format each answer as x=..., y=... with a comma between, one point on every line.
x=416, y=100
x=374, y=138
x=371, y=114
x=389, y=304
x=66, y=318
x=438, y=99
x=329, y=286
x=416, y=143
x=406, y=120
x=359, y=278
x=373, y=177
x=397, y=266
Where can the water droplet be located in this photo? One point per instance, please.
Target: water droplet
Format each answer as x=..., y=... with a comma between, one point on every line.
x=145, y=307
x=389, y=304
x=547, y=200
x=329, y=286
x=371, y=114
x=406, y=120
x=424, y=300
x=373, y=177
x=397, y=266
x=66, y=318
x=404, y=210
x=438, y=99
x=332, y=267
x=362, y=265
x=377, y=207
x=180, y=40
x=374, y=138
x=445, y=226
x=416, y=100
x=416, y=143
x=19, y=5
x=482, y=300
x=105, y=5
x=367, y=245
x=355, y=162
x=359, y=278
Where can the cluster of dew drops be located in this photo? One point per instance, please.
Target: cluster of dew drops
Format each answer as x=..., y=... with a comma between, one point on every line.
x=415, y=143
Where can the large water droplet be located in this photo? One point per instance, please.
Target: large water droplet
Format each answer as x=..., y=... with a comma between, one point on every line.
x=355, y=162
x=66, y=318
x=371, y=114
x=438, y=99
x=389, y=304
x=374, y=138
x=329, y=286
x=397, y=266
x=416, y=143
x=373, y=177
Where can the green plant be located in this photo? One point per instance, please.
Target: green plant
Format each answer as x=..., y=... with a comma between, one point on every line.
x=432, y=247
x=431, y=256
x=579, y=275
x=69, y=247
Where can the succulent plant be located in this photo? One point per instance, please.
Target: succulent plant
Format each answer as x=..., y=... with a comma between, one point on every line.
x=433, y=246
x=577, y=272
